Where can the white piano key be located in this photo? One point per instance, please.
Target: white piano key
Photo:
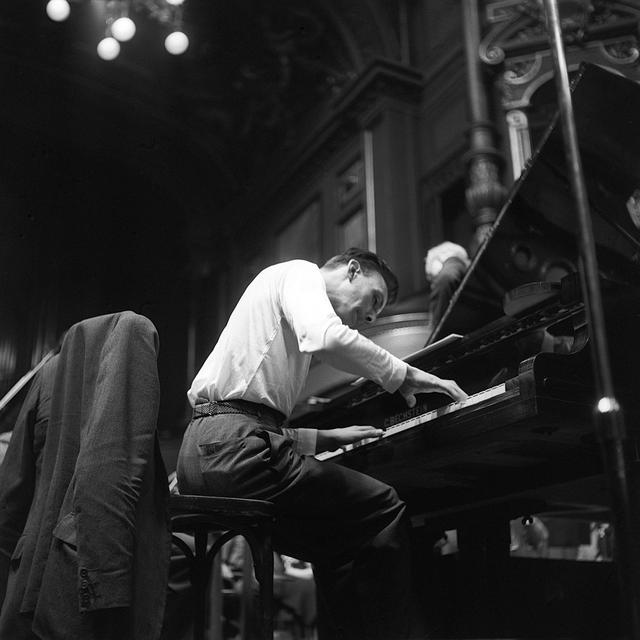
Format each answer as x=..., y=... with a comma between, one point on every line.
x=420, y=419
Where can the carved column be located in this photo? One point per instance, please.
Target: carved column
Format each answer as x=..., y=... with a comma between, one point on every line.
x=485, y=192
x=519, y=140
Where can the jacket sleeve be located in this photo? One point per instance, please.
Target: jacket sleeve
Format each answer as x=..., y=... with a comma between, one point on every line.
x=116, y=446
x=17, y=480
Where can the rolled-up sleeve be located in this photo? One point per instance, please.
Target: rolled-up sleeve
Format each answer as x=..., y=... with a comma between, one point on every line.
x=320, y=331
x=304, y=440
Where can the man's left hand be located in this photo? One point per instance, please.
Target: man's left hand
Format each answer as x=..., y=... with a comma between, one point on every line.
x=330, y=439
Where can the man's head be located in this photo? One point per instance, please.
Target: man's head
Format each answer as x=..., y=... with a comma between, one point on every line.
x=359, y=286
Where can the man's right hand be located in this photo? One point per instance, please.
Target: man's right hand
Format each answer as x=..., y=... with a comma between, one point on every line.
x=418, y=381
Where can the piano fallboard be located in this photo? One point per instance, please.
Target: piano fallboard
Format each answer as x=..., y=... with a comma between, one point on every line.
x=505, y=445
x=419, y=417
x=528, y=424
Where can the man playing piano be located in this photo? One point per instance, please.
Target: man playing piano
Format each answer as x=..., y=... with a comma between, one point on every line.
x=350, y=526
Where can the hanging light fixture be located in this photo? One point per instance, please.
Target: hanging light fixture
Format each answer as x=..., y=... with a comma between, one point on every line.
x=58, y=10
x=123, y=29
x=108, y=48
x=176, y=43
x=120, y=26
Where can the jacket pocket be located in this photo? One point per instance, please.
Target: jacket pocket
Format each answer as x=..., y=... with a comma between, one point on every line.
x=65, y=530
x=16, y=556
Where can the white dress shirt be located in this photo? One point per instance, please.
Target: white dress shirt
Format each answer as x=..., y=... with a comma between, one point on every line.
x=264, y=352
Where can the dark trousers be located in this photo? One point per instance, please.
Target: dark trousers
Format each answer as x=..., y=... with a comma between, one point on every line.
x=349, y=525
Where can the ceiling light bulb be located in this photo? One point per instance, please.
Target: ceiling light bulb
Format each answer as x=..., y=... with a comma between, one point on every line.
x=123, y=29
x=108, y=48
x=58, y=10
x=175, y=3
x=176, y=43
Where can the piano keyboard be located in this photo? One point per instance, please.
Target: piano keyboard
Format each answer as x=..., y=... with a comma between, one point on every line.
x=419, y=420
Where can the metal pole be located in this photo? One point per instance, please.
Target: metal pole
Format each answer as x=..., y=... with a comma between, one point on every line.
x=609, y=417
x=485, y=193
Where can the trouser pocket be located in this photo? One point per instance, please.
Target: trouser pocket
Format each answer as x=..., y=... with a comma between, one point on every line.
x=236, y=467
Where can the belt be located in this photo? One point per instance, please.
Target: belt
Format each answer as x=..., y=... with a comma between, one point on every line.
x=245, y=407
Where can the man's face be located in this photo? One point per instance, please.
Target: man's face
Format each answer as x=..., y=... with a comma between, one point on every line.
x=360, y=297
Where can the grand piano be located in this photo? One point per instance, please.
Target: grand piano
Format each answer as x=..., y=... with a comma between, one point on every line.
x=516, y=338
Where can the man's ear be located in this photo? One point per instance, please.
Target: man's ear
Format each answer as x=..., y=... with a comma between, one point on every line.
x=353, y=268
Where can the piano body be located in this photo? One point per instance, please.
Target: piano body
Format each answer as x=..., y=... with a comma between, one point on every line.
x=516, y=339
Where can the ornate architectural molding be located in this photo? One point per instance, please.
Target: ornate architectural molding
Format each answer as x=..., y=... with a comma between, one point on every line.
x=441, y=177
x=597, y=31
x=515, y=45
x=381, y=83
x=519, y=140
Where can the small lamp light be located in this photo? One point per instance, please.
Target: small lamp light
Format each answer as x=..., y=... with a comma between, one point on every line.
x=108, y=48
x=123, y=29
x=58, y=10
x=176, y=43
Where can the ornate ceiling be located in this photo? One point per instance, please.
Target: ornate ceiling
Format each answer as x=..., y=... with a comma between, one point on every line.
x=256, y=74
x=116, y=176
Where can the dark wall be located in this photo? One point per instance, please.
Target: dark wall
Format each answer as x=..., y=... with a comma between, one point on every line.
x=83, y=235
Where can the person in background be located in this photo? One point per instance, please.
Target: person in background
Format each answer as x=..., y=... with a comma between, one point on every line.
x=352, y=527
x=293, y=592
x=444, y=265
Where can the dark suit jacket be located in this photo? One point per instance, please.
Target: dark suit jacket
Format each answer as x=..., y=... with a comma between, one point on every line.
x=20, y=474
x=96, y=536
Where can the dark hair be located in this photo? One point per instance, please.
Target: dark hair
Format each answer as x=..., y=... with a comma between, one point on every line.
x=369, y=261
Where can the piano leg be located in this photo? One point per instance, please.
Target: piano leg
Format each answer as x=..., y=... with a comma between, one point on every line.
x=484, y=555
x=461, y=594
x=632, y=610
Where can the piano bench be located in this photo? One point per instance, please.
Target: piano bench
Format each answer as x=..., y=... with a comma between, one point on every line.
x=227, y=517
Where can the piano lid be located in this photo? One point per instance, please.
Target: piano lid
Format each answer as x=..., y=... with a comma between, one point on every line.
x=535, y=237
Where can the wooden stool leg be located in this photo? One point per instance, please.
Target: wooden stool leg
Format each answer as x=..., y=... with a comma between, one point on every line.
x=199, y=582
x=261, y=549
